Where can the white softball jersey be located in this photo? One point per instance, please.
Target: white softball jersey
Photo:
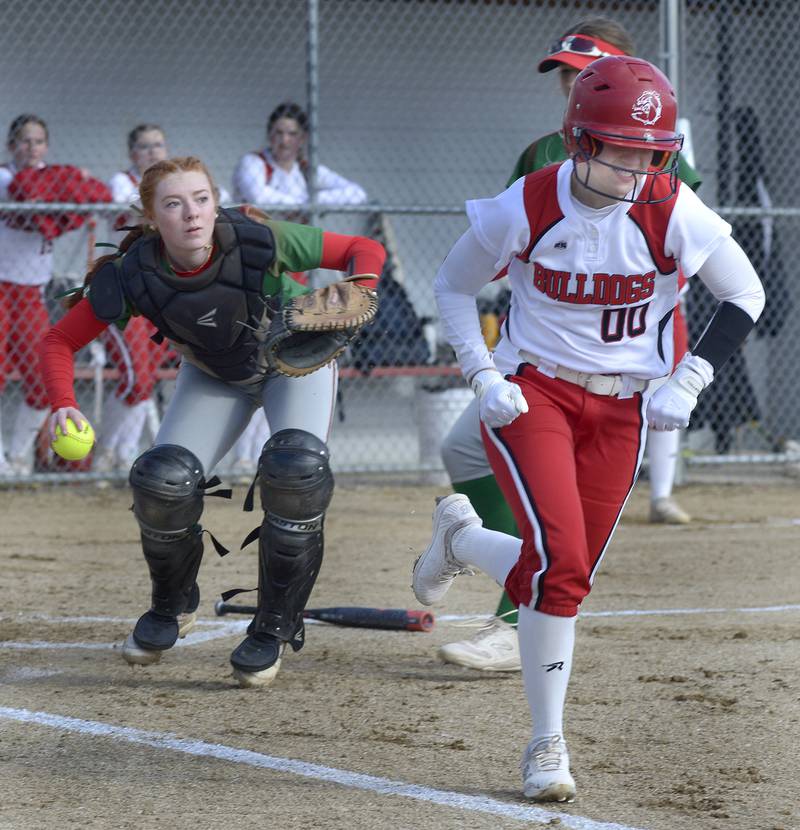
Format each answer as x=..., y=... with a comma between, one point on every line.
x=259, y=180
x=27, y=257
x=124, y=186
x=593, y=290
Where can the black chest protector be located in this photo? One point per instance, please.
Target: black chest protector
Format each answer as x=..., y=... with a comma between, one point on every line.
x=211, y=315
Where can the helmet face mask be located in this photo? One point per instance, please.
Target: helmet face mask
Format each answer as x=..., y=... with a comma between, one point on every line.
x=664, y=163
x=625, y=102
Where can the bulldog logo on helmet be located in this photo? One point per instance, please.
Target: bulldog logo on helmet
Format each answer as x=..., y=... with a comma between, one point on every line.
x=647, y=108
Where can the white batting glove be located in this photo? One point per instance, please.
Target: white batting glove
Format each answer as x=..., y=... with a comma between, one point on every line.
x=671, y=406
x=500, y=401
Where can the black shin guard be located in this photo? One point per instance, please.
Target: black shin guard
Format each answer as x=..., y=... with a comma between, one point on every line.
x=167, y=483
x=296, y=489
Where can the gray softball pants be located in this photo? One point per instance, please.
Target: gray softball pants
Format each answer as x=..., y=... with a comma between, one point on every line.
x=207, y=415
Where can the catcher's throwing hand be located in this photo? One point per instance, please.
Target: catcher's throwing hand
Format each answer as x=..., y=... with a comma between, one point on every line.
x=672, y=404
x=313, y=329
x=501, y=402
x=59, y=418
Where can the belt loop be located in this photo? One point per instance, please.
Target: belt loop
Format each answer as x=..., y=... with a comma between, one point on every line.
x=630, y=386
x=546, y=368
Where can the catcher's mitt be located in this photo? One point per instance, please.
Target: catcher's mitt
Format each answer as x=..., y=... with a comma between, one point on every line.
x=310, y=331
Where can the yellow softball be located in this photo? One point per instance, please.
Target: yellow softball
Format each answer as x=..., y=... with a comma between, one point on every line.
x=76, y=444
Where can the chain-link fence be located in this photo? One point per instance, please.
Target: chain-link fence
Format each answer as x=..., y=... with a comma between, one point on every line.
x=413, y=106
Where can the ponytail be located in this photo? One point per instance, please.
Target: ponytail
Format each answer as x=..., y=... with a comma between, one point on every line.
x=254, y=213
x=74, y=297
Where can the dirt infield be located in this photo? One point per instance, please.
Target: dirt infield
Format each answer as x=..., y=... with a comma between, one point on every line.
x=674, y=720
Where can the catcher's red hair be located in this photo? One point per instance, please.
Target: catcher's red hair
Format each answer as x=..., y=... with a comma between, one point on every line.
x=147, y=195
x=161, y=169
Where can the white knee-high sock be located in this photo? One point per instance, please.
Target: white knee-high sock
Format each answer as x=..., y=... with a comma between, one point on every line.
x=26, y=428
x=153, y=419
x=2, y=450
x=662, y=453
x=113, y=414
x=546, y=644
x=493, y=552
x=129, y=434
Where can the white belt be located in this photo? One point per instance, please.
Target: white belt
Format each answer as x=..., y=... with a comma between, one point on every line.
x=610, y=385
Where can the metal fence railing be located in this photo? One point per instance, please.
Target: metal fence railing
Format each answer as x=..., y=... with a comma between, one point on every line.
x=418, y=106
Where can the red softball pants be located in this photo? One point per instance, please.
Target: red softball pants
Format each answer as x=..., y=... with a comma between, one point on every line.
x=566, y=468
x=23, y=323
x=137, y=357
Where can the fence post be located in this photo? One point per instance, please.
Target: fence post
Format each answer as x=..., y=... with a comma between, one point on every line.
x=312, y=96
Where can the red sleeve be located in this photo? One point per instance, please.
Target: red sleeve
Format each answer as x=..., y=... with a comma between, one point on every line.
x=354, y=255
x=78, y=327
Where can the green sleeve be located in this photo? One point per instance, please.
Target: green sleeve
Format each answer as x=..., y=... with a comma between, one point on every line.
x=549, y=149
x=687, y=174
x=297, y=248
x=520, y=168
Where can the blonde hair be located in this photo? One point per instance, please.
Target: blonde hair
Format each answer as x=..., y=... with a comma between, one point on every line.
x=147, y=194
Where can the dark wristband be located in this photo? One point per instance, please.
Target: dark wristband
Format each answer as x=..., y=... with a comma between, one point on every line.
x=726, y=331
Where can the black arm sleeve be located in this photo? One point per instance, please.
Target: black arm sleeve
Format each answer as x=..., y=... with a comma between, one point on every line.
x=726, y=331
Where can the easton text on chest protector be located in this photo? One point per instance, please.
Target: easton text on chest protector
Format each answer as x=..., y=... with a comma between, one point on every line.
x=217, y=317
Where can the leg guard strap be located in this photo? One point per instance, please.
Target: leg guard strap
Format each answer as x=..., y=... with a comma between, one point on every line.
x=167, y=483
x=296, y=488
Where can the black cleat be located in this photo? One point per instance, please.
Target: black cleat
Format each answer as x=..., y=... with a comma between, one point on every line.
x=152, y=634
x=256, y=660
x=156, y=632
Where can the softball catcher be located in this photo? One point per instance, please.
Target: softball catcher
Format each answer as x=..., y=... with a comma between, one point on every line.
x=213, y=282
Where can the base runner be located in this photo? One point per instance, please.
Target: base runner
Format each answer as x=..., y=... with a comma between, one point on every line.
x=494, y=646
x=593, y=249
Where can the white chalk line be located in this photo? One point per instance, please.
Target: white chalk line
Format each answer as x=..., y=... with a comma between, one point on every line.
x=194, y=639
x=224, y=629
x=344, y=778
x=36, y=615
x=667, y=612
x=16, y=673
x=645, y=612
x=769, y=522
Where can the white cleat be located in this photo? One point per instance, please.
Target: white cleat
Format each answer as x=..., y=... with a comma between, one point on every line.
x=668, y=512
x=545, y=770
x=494, y=647
x=186, y=623
x=134, y=655
x=435, y=570
x=21, y=466
x=104, y=461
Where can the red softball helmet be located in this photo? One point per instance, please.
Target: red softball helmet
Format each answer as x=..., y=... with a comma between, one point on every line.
x=628, y=102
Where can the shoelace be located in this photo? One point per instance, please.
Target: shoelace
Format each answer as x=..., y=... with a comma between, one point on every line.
x=453, y=570
x=482, y=622
x=548, y=755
